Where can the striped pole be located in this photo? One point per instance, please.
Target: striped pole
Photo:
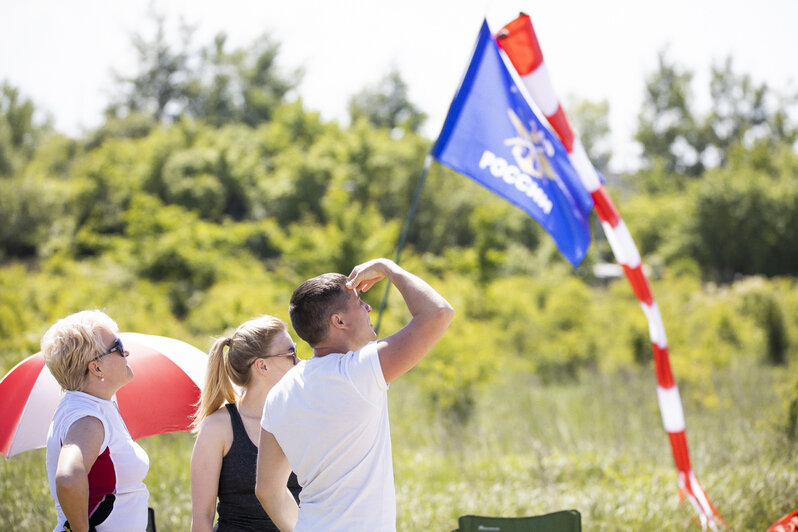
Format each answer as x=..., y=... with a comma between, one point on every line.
x=519, y=42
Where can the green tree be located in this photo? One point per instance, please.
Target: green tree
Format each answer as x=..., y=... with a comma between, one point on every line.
x=31, y=209
x=20, y=133
x=387, y=105
x=243, y=85
x=745, y=220
x=667, y=126
x=215, y=85
x=161, y=86
x=264, y=85
x=134, y=125
x=743, y=113
x=591, y=122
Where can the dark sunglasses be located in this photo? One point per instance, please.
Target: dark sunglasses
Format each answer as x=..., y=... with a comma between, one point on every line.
x=116, y=347
x=290, y=353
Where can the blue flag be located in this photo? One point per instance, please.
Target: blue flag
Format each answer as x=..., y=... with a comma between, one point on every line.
x=493, y=136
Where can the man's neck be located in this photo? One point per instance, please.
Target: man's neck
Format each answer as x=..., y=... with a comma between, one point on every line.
x=324, y=350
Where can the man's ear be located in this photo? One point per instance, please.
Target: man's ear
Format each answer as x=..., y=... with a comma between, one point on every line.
x=337, y=321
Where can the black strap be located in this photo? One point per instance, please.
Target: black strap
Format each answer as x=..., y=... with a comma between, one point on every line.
x=100, y=514
x=236, y=421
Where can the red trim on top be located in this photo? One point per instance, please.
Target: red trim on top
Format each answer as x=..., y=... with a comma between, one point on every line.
x=102, y=479
x=519, y=42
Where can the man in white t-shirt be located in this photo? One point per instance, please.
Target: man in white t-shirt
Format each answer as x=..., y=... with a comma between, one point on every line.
x=327, y=419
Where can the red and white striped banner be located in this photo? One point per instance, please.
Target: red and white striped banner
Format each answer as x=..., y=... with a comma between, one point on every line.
x=521, y=46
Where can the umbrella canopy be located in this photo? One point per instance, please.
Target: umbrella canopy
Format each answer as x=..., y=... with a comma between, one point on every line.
x=168, y=377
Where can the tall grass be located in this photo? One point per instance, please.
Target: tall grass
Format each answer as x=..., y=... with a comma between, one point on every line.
x=596, y=445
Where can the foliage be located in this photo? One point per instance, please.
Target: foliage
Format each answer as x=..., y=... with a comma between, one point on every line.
x=20, y=131
x=591, y=120
x=667, y=127
x=216, y=85
x=735, y=221
x=742, y=113
x=656, y=223
x=745, y=222
x=159, y=89
x=386, y=105
x=31, y=212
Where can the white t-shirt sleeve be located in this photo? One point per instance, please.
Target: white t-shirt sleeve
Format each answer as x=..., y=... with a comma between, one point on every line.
x=265, y=421
x=80, y=413
x=365, y=372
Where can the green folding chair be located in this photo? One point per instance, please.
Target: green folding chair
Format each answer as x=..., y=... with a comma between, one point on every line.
x=563, y=521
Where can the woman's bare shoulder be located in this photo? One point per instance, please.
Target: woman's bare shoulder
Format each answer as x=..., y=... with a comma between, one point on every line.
x=217, y=424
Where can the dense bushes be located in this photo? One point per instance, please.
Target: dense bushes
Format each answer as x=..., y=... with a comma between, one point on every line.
x=200, y=227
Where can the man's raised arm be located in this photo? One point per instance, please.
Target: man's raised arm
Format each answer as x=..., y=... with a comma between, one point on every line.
x=431, y=313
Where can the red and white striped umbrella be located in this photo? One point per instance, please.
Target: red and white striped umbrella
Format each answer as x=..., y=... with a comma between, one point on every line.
x=168, y=377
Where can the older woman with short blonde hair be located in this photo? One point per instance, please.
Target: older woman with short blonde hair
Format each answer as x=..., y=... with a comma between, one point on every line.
x=95, y=469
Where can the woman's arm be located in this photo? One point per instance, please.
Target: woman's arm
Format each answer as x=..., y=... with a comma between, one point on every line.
x=79, y=451
x=206, y=465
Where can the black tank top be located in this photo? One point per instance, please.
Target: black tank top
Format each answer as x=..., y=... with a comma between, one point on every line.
x=239, y=509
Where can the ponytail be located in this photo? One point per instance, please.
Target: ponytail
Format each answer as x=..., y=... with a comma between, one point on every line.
x=218, y=389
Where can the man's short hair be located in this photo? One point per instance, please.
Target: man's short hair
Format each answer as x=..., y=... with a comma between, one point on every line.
x=312, y=304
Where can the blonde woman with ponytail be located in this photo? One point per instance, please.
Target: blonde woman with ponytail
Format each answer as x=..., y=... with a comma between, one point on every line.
x=241, y=371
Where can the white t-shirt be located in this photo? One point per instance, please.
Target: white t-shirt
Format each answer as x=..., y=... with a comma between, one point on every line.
x=330, y=417
x=116, y=480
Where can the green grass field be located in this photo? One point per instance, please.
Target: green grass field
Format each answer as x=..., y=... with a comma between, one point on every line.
x=596, y=445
